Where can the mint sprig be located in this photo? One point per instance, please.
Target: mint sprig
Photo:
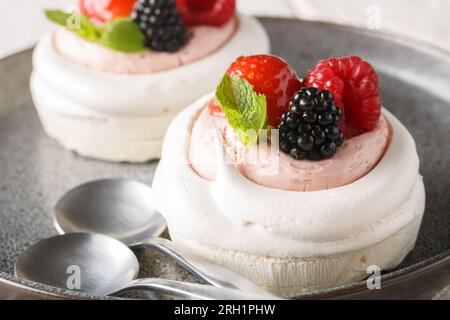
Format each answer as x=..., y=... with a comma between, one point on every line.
x=75, y=22
x=88, y=29
x=58, y=17
x=245, y=109
x=120, y=34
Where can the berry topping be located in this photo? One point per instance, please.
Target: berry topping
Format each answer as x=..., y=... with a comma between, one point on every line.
x=354, y=84
x=105, y=10
x=207, y=12
x=161, y=23
x=310, y=129
x=244, y=108
x=271, y=76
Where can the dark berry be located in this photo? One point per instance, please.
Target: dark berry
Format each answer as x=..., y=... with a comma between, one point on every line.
x=304, y=128
x=292, y=137
x=312, y=91
x=161, y=24
x=297, y=153
x=310, y=128
x=326, y=118
x=328, y=149
x=332, y=132
x=284, y=128
x=315, y=155
x=292, y=120
x=306, y=142
x=305, y=104
x=285, y=146
x=326, y=96
x=309, y=116
x=323, y=105
x=319, y=135
x=340, y=140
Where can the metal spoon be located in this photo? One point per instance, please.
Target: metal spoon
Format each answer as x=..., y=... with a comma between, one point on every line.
x=123, y=209
x=100, y=265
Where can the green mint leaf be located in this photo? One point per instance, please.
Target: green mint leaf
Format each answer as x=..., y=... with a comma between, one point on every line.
x=122, y=35
x=58, y=16
x=245, y=109
x=88, y=30
x=75, y=22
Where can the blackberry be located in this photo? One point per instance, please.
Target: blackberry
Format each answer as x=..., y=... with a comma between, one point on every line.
x=310, y=129
x=161, y=23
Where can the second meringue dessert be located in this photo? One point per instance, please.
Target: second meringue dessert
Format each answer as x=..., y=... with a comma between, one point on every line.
x=297, y=185
x=108, y=82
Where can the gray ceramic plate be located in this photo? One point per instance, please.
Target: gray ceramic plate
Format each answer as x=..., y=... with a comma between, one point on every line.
x=35, y=171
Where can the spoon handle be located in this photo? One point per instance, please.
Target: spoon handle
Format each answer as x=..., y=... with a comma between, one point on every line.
x=184, y=290
x=210, y=272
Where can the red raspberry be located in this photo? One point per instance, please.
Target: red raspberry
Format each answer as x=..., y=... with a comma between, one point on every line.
x=206, y=12
x=354, y=84
x=104, y=10
x=270, y=76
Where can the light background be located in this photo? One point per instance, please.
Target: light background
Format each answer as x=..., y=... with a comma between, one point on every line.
x=22, y=21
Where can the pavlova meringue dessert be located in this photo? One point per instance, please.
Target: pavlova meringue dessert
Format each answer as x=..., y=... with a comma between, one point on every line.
x=296, y=184
x=108, y=82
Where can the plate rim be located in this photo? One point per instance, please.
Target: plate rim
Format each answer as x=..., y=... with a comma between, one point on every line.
x=388, y=279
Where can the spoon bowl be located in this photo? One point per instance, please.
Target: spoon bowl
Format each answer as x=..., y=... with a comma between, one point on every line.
x=100, y=265
x=93, y=264
x=122, y=209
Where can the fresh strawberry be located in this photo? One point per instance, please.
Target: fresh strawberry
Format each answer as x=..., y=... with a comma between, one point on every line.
x=206, y=12
x=270, y=76
x=200, y=5
x=354, y=84
x=105, y=10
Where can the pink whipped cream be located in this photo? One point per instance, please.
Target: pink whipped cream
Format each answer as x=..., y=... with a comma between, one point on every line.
x=272, y=168
x=204, y=40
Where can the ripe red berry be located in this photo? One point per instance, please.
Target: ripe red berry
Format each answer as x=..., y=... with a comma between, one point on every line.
x=271, y=76
x=355, y=86
x=104, y=10
x=206, y=12
x=200, y=5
